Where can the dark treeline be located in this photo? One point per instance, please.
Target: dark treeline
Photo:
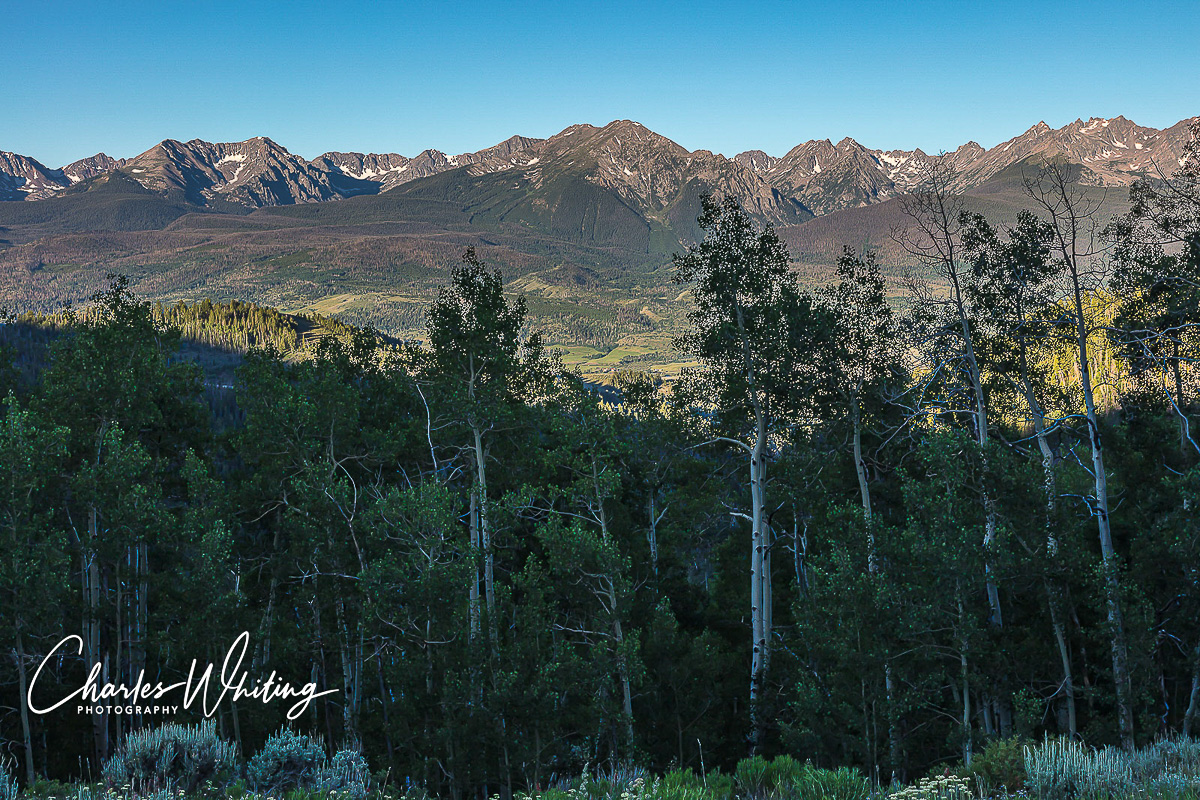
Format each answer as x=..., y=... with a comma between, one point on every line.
x=855, y=535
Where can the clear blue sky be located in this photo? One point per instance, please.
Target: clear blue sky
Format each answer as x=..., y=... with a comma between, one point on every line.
x=78, y=77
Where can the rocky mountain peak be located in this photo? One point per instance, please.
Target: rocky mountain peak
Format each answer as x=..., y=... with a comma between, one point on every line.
x=756, y=160
x=90, y=167
x=642, y=167
x=25, y=178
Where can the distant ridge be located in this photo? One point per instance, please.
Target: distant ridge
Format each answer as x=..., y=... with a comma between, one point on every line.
x=626, y=160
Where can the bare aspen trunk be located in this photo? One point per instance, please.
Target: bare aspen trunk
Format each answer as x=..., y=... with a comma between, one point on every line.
x=1038, y=414
x=313, y=675
x=935, y=211
x=383, y=703
x=92, y=630
x=141, y=615
x=799, y=554
x=1193, y=709
x=618, y=632
x=1069, y=214
x=768, y=596
x=485, y=538
x=476, y=550
x=1116, y=619
x=122, y=638
x=626, y=691
x=1064, y=656
x=349, y=677
x=964, y=675
x=860, y=466
x=759, y=593
x=652, y=532
x=1052, y=598
x=1050, y=487
x=262, y=647
x=889, y=684
x=981, y=436
x=864, y=489
x=22, y=684
x=989, y=504
x=1184, y=428
x=237, y=725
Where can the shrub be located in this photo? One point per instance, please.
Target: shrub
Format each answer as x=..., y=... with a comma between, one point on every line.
x=838, y=784
x=171, y=757
x=346, y=773
x=1176, y=756
x=682, y=784
x=1065, y=770
x=1001, y=765
x=1168, y=768
x=682, y=779
x=552, y=793
x=751, y=777
x=948, y=787
x=287, y=760
x=619, y=783
x=49, y=788
x=783, y=773
x=720, y=785
x=8, y=784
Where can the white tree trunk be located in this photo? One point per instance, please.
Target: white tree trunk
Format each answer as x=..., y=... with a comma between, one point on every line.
x=1050, y=487
x=617, y=631
x=759, y=581
x=350, y=676
x=652, y=531
x=22, y=684
x=989, y=504
x=864, y=487
x=476, y=550
x=1116, y=619
x=91, y=628
x=485, y=538
x=1193, y=709
x=964, y=675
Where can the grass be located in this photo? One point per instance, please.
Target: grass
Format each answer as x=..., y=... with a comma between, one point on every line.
x=1169, y=768
x=619, y=354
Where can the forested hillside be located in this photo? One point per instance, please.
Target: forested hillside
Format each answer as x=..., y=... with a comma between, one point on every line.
x=861, y=537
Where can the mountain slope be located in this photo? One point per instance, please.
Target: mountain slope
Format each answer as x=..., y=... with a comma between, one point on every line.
x=827, y=177
x=24, y=178
x=386, y=171
x=251, y=174
x=1115, y=152
x=86, y=168
x=620, y=185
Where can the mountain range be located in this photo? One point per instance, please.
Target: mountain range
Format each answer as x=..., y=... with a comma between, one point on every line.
x=640, y=167
x=583, y=222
